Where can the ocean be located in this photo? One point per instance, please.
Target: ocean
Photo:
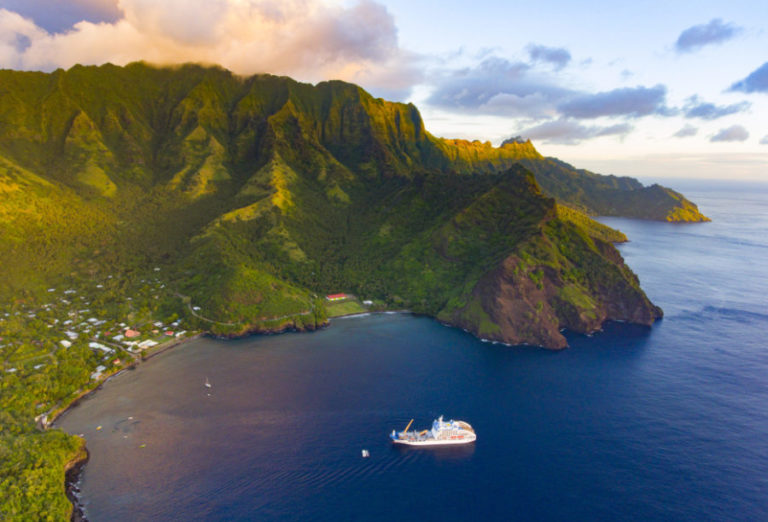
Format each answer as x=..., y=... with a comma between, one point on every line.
x=632, y=423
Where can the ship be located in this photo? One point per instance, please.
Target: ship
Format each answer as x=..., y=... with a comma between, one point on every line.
x=442, y=433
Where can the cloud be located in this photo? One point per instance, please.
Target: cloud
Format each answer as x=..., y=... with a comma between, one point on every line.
x=764, y=141
x=308, y=40
x=687, y=131
x=497, y=86
x=569, y=132
x=58, y=16
x=733, y=133
x=629, y=101
x=757, y=81
x=16, y=35
x=503, y=87
x=556, y=56
x=694, y=108
x=714, y=32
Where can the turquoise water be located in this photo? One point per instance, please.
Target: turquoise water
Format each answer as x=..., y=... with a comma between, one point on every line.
x=666, y=423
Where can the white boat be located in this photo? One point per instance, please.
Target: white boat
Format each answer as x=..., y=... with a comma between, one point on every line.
x=442, y=433
x=207, y=383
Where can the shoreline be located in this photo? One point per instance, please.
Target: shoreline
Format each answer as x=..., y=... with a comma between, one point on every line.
x=75, y=467
x=58, y=412
x=72, y=471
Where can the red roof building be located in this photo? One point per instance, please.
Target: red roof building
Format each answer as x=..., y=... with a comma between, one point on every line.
x=336, y=297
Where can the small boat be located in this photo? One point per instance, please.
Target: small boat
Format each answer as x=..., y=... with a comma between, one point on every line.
x=207, y=383
x=366, y=454
x=442, y=433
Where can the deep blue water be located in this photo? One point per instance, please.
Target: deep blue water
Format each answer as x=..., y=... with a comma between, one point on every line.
x=666, y=423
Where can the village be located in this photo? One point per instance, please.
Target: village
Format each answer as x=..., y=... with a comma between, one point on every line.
x=84, y=325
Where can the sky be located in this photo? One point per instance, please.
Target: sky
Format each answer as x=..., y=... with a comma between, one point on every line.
x=654, y=89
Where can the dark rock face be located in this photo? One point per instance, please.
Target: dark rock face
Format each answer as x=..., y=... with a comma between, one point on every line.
x=531, y=300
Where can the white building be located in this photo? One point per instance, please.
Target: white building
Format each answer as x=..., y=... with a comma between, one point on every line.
x=99, y=346
x=99, y=370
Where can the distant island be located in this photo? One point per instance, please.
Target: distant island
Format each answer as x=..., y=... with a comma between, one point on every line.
x=163, y=202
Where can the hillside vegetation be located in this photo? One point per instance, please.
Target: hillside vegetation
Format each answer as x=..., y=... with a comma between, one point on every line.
x=168, y=201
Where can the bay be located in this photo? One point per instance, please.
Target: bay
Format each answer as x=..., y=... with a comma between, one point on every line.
x=668, y=422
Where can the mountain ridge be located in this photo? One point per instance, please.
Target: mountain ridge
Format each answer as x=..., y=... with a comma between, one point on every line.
x=286, y=190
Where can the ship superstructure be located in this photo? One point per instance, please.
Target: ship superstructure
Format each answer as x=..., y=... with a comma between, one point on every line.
x=442, y=432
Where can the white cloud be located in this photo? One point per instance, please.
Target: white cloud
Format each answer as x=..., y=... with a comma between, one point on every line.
x=16, y=33
x=308, y=40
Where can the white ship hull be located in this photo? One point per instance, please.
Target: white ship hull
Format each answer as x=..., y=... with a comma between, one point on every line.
x=435, y=442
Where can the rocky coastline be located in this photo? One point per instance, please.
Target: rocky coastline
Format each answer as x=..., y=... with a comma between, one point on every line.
x=72, y=472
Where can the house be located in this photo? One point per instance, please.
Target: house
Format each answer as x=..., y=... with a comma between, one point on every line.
x=99, y=346
x=147, y=344
x=131, y=333
x=336, y=297
x=65, y=343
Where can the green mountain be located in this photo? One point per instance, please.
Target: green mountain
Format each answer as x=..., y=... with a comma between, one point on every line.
x=259, y=194
x=596, y=194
